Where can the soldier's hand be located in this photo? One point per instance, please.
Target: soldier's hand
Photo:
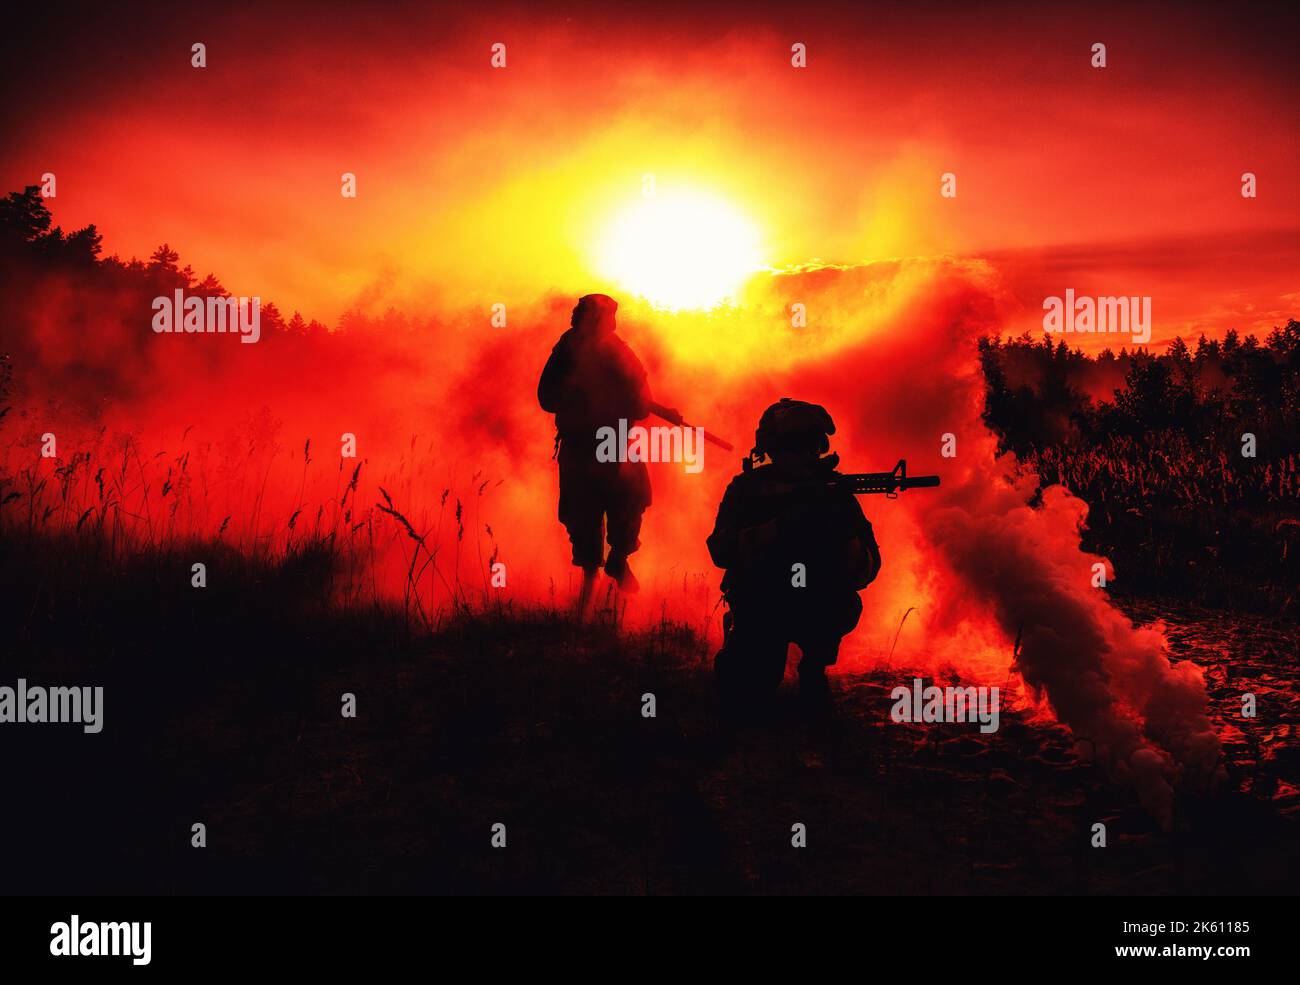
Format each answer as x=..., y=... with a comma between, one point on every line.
x=753, y=541
x=816, y=508
x=863, y=562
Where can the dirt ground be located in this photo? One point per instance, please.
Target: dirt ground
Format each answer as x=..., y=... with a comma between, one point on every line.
x=528, y=721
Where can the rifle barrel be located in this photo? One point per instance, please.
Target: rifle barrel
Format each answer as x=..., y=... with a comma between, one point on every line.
x=667, y=414
x=887, y=483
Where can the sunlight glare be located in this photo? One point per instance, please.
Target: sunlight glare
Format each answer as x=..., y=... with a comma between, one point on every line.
x=681, y=251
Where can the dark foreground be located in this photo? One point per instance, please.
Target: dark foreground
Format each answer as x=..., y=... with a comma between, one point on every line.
x=224, y=708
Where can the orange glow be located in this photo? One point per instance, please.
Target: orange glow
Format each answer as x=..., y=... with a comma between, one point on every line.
x=797, y=244
x=478, y=186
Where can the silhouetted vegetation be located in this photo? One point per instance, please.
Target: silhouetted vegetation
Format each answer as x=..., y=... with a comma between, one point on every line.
x=1158, y=446
x=32, y=248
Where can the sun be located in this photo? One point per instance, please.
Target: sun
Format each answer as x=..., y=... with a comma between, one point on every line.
x=682, y=250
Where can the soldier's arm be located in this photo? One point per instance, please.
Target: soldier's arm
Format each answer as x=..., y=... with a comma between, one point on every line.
x=550, y=387
x=642, y=404
x=864, y=552
x=745, y=544
x=635, y=383
x=724, y=542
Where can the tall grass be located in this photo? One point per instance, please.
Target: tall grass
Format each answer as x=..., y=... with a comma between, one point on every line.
x=1185, y=518
x=111, y=498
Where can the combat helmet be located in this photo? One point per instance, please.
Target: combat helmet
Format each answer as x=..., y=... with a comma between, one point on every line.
x=792, y=423
x=596, y=310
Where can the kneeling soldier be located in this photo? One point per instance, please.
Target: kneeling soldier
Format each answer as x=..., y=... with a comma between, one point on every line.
x=797, y=549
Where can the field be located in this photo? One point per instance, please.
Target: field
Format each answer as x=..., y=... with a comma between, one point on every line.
x=224, y=709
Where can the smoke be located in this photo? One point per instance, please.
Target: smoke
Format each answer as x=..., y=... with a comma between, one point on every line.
x=442, y=405
x=984, y=568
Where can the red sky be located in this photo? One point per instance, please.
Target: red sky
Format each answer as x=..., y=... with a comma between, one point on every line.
x=478, y=185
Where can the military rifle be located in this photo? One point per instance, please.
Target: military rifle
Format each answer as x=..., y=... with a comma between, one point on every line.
x=674, y=417
x=889, y=484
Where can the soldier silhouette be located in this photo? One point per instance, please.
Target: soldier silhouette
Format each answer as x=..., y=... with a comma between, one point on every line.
x=591, y=380
x=797, y=550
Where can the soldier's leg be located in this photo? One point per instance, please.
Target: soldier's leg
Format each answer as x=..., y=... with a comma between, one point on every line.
x=582, y=513
x=751, y=663
x=586, y=594
x=818, y=653
x=819, y=643
x=623, y=530
x=627, y=497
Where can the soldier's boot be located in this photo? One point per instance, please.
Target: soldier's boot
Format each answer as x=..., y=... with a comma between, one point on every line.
x=616, y=567
x=586, y=595
x=814, y=692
